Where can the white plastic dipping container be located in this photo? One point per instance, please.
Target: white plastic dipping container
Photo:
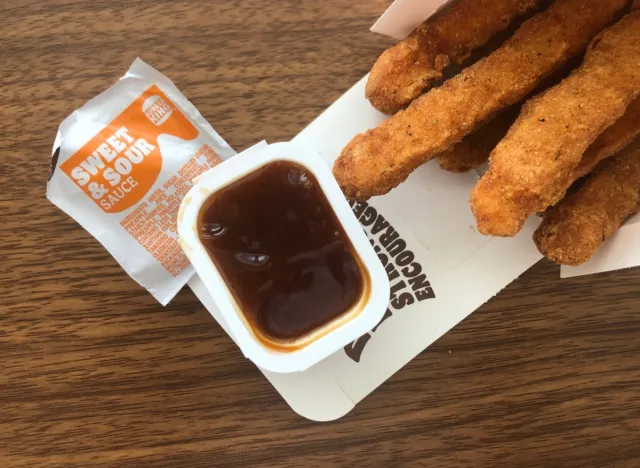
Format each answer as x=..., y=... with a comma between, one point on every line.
x=302, y=352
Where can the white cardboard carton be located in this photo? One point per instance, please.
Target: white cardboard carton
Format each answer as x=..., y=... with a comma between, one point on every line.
x=429, y=216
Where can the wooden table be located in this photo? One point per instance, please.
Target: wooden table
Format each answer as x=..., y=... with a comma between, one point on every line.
x=95, y=372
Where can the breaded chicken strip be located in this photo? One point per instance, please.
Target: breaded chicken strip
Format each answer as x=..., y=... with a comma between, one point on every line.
x=532, y=167
x=614, y=139
x=474, y=150
x=574, y=229
x=405, y=70
x=376, y=161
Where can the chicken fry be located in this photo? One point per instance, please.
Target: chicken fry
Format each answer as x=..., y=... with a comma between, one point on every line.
x=474, y=150
x=574, y=229
x=531, y=167
x=376, y=161
x=405, y=70
x=614, y=139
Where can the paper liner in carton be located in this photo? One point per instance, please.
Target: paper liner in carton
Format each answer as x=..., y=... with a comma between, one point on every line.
x=403, y=16
x=121, y=165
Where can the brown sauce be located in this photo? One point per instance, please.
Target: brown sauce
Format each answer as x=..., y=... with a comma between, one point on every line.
x=282, y=251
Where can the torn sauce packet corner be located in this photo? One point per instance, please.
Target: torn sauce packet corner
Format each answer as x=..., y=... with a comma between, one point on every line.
x=122, y=164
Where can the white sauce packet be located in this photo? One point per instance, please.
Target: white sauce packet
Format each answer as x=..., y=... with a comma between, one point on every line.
x=122, y=164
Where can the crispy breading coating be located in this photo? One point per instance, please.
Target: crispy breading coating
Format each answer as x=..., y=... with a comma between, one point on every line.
x=405, y=70
x=612, y=140
x=474, y=150
x=573, y=230
x=531, y=168
x=376, y=161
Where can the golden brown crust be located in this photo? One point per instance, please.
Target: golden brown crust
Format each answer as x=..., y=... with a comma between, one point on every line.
x=375, y=162
x=611, y=141
x=531, y=167
x=573, y=230
x=474, y=150
x=405, y=70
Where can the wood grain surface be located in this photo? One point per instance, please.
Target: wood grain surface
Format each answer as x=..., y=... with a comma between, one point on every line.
x=95, y=373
